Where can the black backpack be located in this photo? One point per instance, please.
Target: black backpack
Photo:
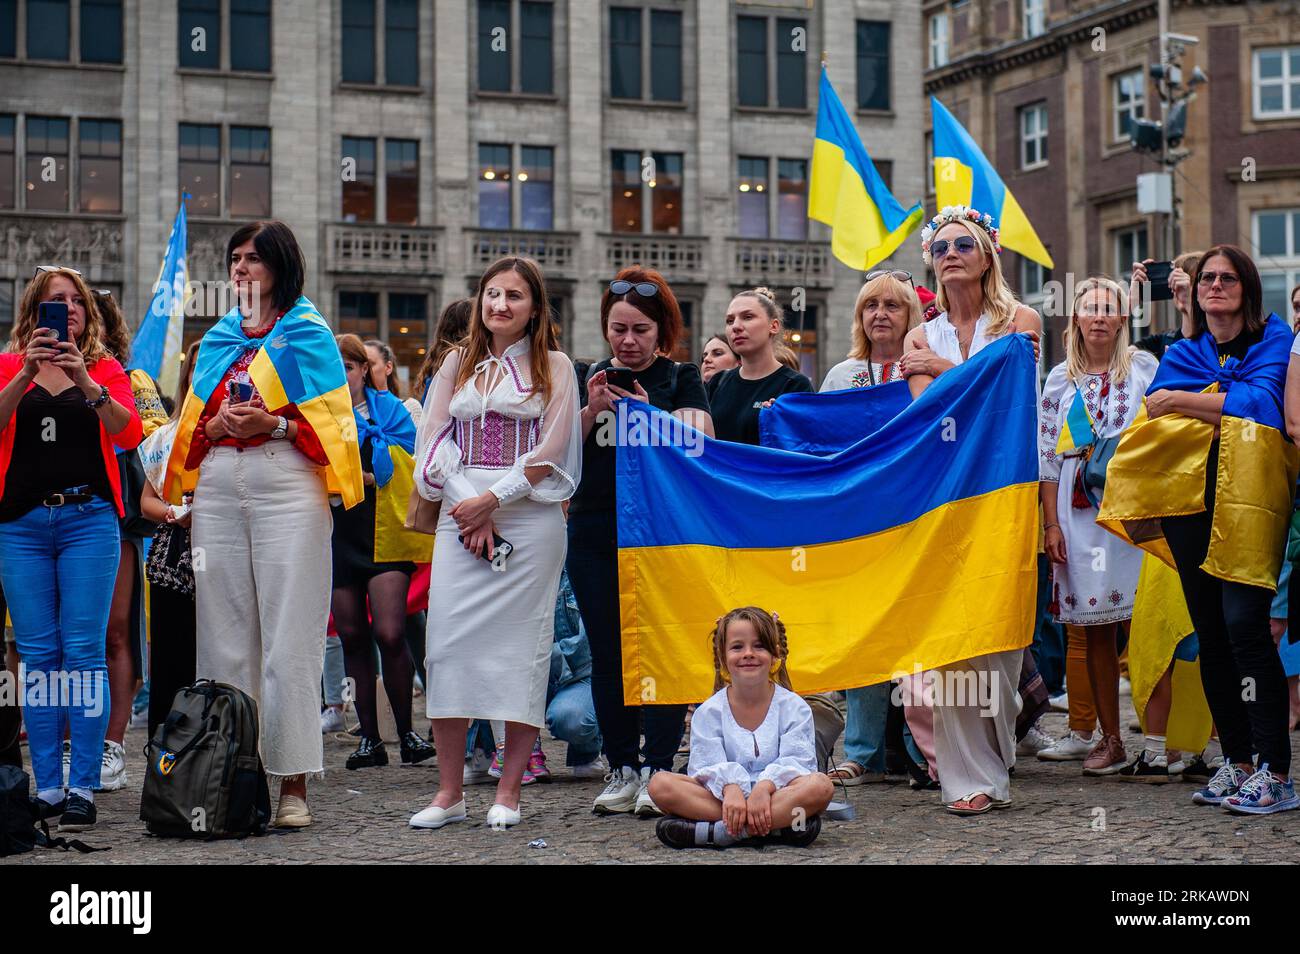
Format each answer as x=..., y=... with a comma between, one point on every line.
x=204, y=776
x=19, y=816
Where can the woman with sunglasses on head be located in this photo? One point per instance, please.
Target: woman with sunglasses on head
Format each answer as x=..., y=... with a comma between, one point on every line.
x=641, y=320
x=973, y=751
x=754, y=331
x=65, y=405
x=717, y=357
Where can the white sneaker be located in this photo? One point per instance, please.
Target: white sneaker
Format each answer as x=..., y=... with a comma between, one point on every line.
x=476, y=768
x=645, y=806
x=112, y=768
x=1125, y=687
x=593, y=769
x=331, y=720
x=1035, y=741
x=620, y=794
x=1059, y=703
x=1073, y=747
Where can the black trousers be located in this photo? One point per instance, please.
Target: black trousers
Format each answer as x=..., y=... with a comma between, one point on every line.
x=1245, y=684
x=171, y=650
x=593, y=572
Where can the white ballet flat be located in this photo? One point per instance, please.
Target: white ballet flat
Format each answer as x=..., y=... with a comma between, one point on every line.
x=433, y=817
x=500, y=818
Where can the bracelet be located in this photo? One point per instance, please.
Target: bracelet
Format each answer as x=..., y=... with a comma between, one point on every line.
x=101, y=400
x=1050, y=526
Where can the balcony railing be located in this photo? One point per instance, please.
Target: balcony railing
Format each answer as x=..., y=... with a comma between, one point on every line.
x=555, y=252
x=676, y=257
x=779, y=262
x=384, y=249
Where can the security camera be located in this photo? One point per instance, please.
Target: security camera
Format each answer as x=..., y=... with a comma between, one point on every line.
x=1182, y=38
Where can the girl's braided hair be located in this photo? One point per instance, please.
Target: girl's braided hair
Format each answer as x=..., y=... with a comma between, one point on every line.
x=771, y=634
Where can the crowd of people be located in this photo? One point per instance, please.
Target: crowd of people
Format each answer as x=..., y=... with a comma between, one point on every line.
x=502, y=612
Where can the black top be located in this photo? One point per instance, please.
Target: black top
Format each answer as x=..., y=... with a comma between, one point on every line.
x=668, y=390
x=56, y=448
x=736, y=401
x=1236, y=348
x=1158, y=344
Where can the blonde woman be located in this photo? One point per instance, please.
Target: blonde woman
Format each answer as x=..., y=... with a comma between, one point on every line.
x=886, y=310
x=973, y=748
x=1094, y=573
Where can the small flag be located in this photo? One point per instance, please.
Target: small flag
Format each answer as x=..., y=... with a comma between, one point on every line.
x=1078, y=430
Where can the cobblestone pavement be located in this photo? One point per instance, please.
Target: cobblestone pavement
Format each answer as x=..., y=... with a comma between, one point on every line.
x=1058, y=816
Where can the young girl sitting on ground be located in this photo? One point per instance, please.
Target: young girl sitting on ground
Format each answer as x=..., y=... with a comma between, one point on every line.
x=753, y=767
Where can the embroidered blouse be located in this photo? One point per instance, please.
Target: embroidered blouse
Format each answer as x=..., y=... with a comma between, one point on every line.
x=780, y=750
x=493, y=422
x=856, y=373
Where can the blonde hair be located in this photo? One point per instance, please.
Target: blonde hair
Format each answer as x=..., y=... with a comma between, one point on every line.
x=766, y=299
x=91, y=340
x=771, y=634
x=882, y=286
x=1076, y=356
x=998, y=300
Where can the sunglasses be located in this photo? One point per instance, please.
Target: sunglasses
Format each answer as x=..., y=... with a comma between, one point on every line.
x=964, y=245
x=644, y=289
x=55, y=268
x=898, y=273
x=1227, y=279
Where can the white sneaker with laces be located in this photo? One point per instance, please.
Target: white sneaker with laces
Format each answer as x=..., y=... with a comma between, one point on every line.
x=620, y=794
x=1035, y=741
x=645, y=806
x=593, y=769
x=331, y=720
x=1073, y=747
x=112, y=768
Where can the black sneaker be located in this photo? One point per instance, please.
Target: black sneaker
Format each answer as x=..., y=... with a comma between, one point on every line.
x=1197, y=771
x=919, y=778
x=78, y=814
x=369, y=753
x=1142, y=770
x=797, y=839
x=683, y=833
x=44, y=809
x=415, y=749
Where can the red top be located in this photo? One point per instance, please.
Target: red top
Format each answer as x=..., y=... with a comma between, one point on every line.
x=104, y=372
x=200, y=444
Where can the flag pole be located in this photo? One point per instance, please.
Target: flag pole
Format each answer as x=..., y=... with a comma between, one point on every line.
x=807, y=234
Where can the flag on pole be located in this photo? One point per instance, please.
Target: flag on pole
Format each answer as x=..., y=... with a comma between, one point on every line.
x=964, y=176
x=847, y=193
x=156, y=348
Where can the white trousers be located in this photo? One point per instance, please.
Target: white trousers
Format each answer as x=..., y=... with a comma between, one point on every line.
x=976, y=702
x=261, y=536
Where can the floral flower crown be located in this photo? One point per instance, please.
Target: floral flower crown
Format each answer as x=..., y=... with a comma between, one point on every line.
x=953, y=213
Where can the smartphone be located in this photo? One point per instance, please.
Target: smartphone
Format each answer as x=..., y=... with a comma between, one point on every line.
x=241, y=392
x=1158, y=273
x=54, y=315
x=620, y=378
x=502, y=547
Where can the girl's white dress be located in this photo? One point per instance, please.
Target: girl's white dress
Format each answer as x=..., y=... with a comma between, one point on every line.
x=488, y=643
x=724, y=753
x=1099, y=582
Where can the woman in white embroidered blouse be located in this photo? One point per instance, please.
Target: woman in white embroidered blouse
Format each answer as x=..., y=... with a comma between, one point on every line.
x=500, y=446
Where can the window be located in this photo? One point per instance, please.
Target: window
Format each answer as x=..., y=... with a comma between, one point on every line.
x=885, y=169
x=751, y=199
x=751, y=60
x=200, y=35
x=1130, y=247
x=200, y=167
x=666, y=193
x=536, y=198
x=791, y=64
x=1129, y=101
x=8, y=28
x=1033, y=136
x=493, y=48
x=401, y=43
x=1033, y=277
x=48, y=28
x=625, y=180
x=408, y=331
x=359, y=313
x=625, y=52
x=525, y=66
x=1277, y=82
x=6, y=303
x=101, y=31
x=402, y=181
x=100, y=175
x=938, y=40
x=792, y=199
x=666, y=56
x=1035, y=17
x=358, y=64
x=359, y=187
x=250, y=32
x=8, y=170
x=1277, y=250
x=535, y=47
x=250, y=172
x=494, y=186
x=47, y=164
x=873, y=64
x=786, y=72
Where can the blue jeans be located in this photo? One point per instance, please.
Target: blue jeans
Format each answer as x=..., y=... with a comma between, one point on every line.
x=1049, y=635
x=571, y=718
x=58, y=566
x=866, y=710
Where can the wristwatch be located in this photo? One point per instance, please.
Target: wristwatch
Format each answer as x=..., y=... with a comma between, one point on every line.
x=281, y=429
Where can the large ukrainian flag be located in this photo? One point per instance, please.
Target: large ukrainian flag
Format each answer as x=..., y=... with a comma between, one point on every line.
x=847, y=193
x=914, y=547
x=297, y=363
x=963, y=176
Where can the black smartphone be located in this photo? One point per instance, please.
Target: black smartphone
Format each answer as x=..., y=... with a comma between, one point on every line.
x=620, y=378
x=1158, y=273
x=54, y=315
x=502, y=547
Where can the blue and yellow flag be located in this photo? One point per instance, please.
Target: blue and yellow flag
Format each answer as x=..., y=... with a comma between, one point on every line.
x=297, y=363
x=1077, y=431
x=913, y=548
x=156, y=345
x=963, y=176
x=1159, y=466
x=391, y=433
x=847, y=193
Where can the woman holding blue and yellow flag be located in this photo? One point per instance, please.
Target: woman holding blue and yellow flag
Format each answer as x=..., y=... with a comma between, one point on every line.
x=1205, y=480
x=266, y=435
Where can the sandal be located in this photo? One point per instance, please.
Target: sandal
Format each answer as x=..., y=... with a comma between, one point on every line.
x=849, y=772
x=971, y=805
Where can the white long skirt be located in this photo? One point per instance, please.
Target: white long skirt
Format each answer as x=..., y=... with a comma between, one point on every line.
x=488, y=644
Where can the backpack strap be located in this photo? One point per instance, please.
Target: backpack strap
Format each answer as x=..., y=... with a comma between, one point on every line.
x=46, y=840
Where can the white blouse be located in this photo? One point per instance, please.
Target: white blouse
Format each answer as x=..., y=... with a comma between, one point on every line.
x=493, y=422
x=856, y=373
x=941, y=336
x=724, y=753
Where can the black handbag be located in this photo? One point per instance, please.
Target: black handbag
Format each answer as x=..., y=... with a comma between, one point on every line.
x=169, y=565
x=1094, y=467
x=131, y=473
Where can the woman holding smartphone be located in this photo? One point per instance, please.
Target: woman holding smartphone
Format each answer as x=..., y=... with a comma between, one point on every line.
x=65, y=403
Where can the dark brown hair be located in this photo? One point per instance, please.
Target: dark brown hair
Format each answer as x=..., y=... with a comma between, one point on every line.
x=352, y=349
x=771, y=634
x=662, y=308
x=540, y=329
x=450, y=330
x=117, y=337
x=279, y=251
x=385, y=352
x=1252, y=291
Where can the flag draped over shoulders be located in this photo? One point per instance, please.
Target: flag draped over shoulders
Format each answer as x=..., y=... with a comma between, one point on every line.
x=391, y=433
x=914, y=547
x=1159, y=467
x=297, y=363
